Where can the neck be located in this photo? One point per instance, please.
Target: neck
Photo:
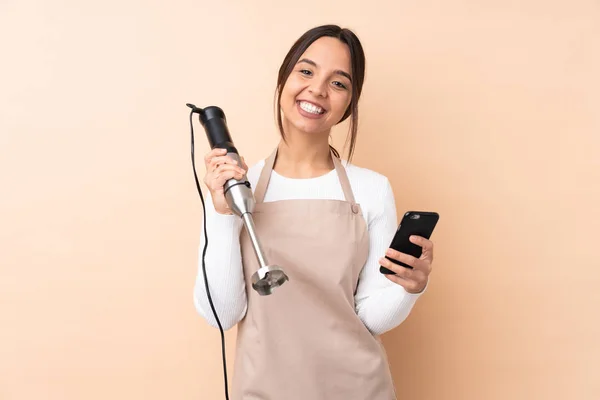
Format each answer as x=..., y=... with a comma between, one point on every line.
x=303, y=155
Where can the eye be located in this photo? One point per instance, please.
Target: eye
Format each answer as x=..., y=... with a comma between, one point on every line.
x=340, y=84
x=305, y=72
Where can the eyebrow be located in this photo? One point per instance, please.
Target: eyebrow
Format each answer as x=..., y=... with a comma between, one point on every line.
x=337, y=71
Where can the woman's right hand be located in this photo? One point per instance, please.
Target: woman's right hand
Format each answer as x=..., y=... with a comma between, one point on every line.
x=219, y=169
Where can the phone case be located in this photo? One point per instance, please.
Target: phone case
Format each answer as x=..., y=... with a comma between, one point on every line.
x=419, y=223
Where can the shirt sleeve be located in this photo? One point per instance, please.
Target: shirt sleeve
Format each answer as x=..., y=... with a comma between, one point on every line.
x=224, y=271
x=380, y=303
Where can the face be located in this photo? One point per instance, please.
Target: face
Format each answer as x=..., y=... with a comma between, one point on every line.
x=319, y=88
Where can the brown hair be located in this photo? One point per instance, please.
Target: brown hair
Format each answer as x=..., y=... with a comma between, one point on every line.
x=357, y=62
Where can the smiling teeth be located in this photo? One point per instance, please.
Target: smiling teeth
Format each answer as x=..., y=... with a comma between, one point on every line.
x=311, y=108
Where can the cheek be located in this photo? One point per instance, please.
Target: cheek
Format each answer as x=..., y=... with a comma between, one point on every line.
x=342, y=103
x=290, y=92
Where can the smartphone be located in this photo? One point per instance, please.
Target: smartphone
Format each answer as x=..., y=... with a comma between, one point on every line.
x=419, y=223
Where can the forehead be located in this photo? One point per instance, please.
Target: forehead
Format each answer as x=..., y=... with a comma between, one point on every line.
x=329, y=53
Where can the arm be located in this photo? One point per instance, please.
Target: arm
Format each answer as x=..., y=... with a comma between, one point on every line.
x=381, y=304
x=223, y=264
x=223, y=269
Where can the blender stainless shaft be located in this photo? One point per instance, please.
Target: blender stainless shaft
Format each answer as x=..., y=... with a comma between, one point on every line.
x=260, y=255
x=240, y=199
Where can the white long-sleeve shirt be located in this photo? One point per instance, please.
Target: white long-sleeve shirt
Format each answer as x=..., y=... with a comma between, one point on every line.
x=380, y=304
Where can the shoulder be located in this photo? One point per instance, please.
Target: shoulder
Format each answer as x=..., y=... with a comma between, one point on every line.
x=366, y=180
x=373, y=191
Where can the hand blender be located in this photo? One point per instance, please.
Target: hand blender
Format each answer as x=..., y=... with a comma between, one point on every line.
x=240, y=198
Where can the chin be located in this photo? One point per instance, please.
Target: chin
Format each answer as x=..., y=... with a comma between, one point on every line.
x=309, y=127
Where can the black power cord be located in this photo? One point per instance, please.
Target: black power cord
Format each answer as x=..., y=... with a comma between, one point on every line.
x=212, y=306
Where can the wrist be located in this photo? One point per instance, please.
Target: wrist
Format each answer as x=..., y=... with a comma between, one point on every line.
x=418, y=290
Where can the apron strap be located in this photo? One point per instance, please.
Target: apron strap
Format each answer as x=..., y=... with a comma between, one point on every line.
x=265, y=176
x=344, y=181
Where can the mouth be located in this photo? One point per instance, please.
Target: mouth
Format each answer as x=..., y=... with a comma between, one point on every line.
x=311, y=108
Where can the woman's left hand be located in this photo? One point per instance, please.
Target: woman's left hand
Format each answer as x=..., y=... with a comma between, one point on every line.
x=412, y=280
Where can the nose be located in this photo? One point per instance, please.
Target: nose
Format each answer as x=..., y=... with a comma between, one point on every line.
x=318, y=87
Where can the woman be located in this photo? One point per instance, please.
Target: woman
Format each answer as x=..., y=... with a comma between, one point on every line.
x=328, y=225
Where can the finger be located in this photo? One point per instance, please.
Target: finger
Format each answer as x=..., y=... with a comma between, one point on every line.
x=214, y=153
x=426, y=244
x=226, y=172
x=399, y=270
x=229, y=168
x=219, y=160
x=402, y=257
x=244, y=165
x=416, y=263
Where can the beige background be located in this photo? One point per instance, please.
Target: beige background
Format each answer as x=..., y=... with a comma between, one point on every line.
x=487, y=112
